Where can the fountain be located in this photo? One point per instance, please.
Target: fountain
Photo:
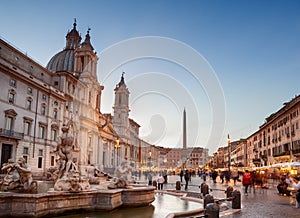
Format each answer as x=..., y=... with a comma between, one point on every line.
x=69, y=191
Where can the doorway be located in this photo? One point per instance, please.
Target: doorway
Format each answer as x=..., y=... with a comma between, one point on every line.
x=5, y=154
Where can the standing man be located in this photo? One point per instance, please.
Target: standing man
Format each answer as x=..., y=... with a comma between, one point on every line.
x=181, y=175
x=187, y=179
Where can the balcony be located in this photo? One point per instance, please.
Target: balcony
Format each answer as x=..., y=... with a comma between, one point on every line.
x=11, y=134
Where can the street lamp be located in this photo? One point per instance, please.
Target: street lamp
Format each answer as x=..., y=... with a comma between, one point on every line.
x=149, y=157
x=117, y=146
x=228, y=142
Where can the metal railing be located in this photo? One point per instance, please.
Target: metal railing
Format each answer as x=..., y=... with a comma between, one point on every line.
x=11, y=134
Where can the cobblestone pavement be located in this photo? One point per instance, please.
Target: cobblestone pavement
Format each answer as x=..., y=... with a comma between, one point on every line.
x=264, y=203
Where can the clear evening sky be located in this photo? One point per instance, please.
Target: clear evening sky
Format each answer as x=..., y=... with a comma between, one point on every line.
x=252, y=47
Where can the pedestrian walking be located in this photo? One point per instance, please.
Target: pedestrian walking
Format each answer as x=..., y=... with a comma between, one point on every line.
x=187, y=179
x=204, y=176
x=214, y=176
x=160, y=182
x=246, y=181
x=181, y=175
x=222, y=177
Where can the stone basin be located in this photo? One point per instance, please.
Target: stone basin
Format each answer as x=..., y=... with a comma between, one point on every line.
x=54, y=203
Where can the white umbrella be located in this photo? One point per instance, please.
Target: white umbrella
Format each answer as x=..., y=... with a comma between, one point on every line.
x=286, y=164
x=295, y=164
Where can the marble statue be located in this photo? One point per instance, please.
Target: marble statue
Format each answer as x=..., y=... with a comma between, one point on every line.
x=121, y=177
x=18, y=177
x=66, y=173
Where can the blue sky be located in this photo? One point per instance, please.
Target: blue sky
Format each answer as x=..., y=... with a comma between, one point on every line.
x=253, y=48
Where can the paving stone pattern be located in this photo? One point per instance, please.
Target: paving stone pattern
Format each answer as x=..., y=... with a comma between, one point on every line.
x=264, y=203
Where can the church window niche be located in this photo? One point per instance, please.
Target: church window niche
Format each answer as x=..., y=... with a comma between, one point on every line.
x=81, y=63
x=90, y=97
x=55, y=113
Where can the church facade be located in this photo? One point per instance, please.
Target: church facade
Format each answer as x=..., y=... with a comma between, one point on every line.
x=36, y=101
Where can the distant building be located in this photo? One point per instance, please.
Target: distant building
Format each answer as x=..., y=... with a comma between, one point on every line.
x=276, y=141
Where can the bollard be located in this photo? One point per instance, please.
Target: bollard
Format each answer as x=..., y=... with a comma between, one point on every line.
x=208, y=199
x=204, y=189
x=178, y=185
x=212, y=210
x=229, y=191
x=236, y=201
x=154, y=184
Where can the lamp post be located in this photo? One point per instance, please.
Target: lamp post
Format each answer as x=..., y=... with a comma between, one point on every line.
x=228, y=142
x=117, y=146
x=149, y=157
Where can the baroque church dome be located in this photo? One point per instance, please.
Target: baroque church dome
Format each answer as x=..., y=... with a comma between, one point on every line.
x=64, y=60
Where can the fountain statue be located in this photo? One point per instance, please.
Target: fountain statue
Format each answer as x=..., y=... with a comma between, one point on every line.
x=71, y=190
x=18, y=177
x=66, y=174
x=121, y=177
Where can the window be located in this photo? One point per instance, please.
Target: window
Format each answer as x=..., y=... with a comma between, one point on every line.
x=29, y=90
x=55, y=103
x=13, y=82
x=40, y=162
x=53, y=134
x=9, y=123
x=42, y=131
x=55, y=114
x=10, y=116
x=11, y=96
x=27, y=128
x=25, y=157
x=40, y=152
x=56, y=83
x=44, y=97
x=28, y=103
x=43, y=109
x=25, y=150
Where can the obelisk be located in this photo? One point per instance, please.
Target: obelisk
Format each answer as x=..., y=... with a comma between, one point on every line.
x=184, y=129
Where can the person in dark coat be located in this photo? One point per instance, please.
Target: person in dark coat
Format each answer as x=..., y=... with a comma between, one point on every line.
x=187, y=179
x=214, y=176
x=181, y=175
